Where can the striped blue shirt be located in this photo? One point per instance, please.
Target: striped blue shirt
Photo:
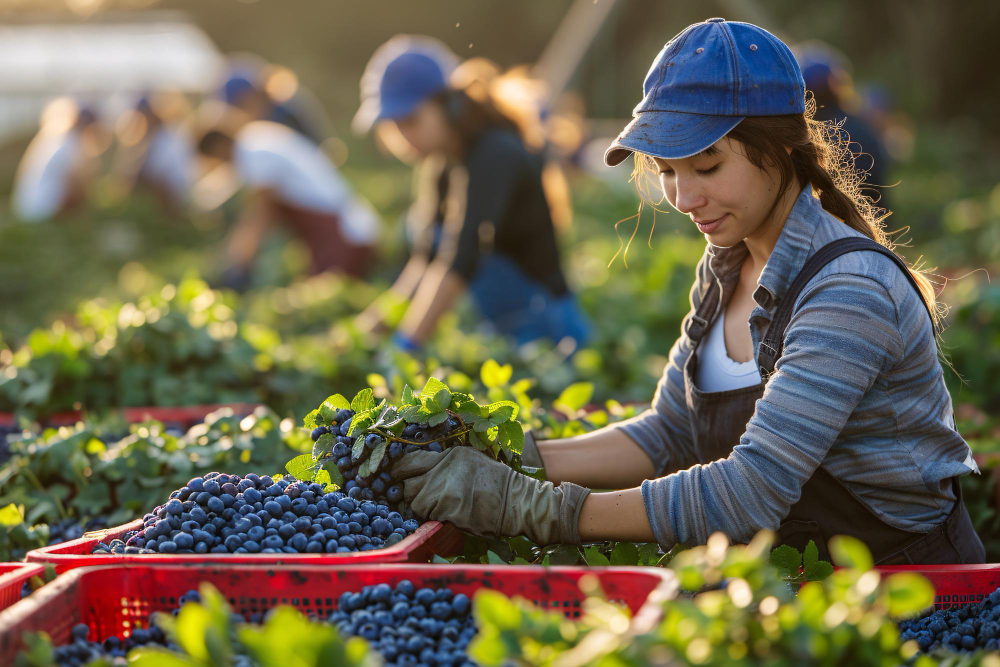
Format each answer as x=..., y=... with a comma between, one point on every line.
x=858, y=390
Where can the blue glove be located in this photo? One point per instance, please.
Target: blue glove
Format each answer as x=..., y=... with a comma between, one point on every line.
x=404, y=342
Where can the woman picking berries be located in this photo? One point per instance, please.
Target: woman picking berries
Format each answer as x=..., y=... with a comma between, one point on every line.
x=804, y=394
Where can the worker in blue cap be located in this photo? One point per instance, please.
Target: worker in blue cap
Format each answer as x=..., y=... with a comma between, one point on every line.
x=484, y=224
x=804, y=395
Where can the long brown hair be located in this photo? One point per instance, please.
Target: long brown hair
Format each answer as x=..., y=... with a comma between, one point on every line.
x=821, y=157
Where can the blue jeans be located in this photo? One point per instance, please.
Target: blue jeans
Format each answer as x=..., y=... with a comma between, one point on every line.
x=521, y=307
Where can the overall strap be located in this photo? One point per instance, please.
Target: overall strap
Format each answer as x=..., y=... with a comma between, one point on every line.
x=771, y=346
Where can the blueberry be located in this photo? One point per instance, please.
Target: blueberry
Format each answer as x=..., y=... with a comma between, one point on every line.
x=394, y=493
x=460, y=604
x=424, y=596
x=411, y=525
x=216, y=505
x=968, y=642
x=318, y=431
x=395, y=450
x=347, y=505
x=355, y=493
x=213, y=487
x=80, y=631
x=373, y=440
x=167, y=547
x=435, y=447
x=233, y=542
x=346, y=541
x=174, y=507
x=184, y=540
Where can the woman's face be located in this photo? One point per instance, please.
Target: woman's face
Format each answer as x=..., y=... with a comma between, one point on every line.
x=723, y=193
x=427, y=129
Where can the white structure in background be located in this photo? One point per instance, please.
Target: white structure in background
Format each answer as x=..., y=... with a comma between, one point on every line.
x=103, y=63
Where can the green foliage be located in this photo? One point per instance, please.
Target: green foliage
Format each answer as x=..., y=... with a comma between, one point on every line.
x=800, y=567
x=732, y=608
x=17, y=537
x=492, y=428
x=71, y=473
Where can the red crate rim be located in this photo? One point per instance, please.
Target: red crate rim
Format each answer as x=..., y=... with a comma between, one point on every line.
x=53, y=553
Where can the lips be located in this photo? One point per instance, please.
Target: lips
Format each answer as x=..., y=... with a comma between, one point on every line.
x=709, y=226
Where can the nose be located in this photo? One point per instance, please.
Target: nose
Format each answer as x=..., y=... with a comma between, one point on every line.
x=688, y=197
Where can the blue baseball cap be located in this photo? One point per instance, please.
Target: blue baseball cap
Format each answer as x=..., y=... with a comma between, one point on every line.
x=402, y=74
x=703, y=83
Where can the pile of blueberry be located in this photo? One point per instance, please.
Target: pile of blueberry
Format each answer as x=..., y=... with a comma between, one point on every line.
x=379, y=484
x=80, y=651
x=409, y=625
x=72, y=529
x=967, y=628
x=221, y=513
x=406, y=625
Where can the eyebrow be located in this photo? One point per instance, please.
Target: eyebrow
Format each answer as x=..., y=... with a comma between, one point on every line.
x=711, y=150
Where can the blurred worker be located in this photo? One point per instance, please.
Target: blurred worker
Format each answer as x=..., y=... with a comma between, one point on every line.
x=156, y=153
x=832, y=88
x=481, y=194
x=60, y=163
x=271, y=92
x=292, y=183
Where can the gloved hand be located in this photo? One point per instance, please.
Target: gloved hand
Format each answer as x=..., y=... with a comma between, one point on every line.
x=530, y=456
x=485, y=497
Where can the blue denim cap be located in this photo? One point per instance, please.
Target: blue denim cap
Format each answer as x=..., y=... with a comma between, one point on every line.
x=409, y=78
x=703, y=83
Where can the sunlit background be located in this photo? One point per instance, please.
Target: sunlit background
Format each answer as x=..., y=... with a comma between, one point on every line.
x=918, y=73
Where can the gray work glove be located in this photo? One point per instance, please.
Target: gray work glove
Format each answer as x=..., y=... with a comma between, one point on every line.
x=530, y=456
x=485, y=497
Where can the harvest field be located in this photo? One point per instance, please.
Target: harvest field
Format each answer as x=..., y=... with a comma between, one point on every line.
x=228, y=442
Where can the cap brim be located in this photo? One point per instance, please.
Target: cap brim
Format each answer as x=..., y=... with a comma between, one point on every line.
x=670, y=135
x=372, y=111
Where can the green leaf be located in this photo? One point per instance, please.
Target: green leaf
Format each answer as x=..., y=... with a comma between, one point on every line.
x=499, y=406
x=848, y=551
x=411, y=413
x=359, y=447
x=363, y=401
x=323, y=446
x=376, y=458
x=511, y=436
x=909, y=593
x=313, y=419
x=443, y=399
x=439, y=418
x=494, y=559
x=301, y=467
x=322, y=477
x=595, y=558
x=787, y=560
x=574, y=397
x=336, y=477
x=408, y=398
x=501, y=414
x=813, y=568
x=332, y=405
x=431, y=389
x=625, y=553
x=482, y=425
x=495, y=375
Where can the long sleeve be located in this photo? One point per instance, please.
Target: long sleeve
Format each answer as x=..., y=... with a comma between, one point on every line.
x=843, y=336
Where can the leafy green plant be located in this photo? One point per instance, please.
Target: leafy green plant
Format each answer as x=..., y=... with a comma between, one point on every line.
x=17, y=537
x=492, y=428
x=799, y=567
x=732, y=608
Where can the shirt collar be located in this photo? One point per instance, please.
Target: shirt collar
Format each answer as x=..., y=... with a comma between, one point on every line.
x=790, y=253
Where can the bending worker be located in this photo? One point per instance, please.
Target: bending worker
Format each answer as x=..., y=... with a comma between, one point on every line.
x=804, y=394
x=482, y=217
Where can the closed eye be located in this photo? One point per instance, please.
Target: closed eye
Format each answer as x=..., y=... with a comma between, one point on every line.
x=710, y=170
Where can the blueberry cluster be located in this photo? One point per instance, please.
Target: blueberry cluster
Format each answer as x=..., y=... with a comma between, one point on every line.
x=409, y=625
x=221, y=513
x=80, y=651
x=967, y=628
x=379, y=484
x=72, y=529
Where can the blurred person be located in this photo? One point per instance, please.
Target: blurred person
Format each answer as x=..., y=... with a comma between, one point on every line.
x=156, y=152
x=805, y=394
x=60, y=164
x=289, y=181
x=482, y=218
x=271, y=92
x=829, y=80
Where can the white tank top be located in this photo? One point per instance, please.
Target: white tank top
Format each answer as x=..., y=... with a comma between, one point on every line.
x=716, y=371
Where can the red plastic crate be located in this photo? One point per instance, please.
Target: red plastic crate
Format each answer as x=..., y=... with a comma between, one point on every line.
x=12, y=578
x=429, y=539
x=113, y=600
x=954, y=585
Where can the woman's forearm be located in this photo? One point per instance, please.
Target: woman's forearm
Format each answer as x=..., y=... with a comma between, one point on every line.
x=603, y=459
x=615, y=515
